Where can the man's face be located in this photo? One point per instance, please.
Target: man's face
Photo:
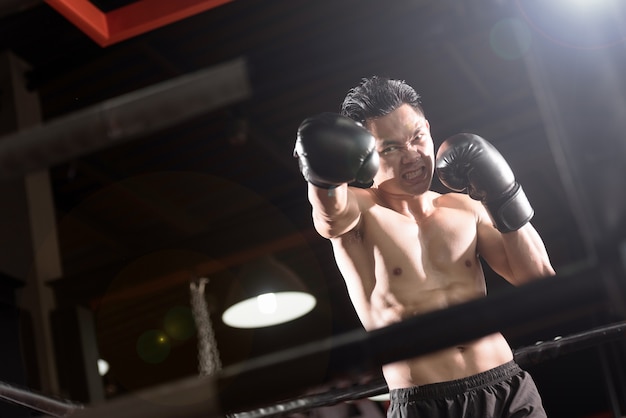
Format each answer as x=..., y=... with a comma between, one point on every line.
x=406, y=153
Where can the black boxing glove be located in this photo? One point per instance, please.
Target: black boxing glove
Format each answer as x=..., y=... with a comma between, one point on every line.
x=468, y=162
x=333, y=149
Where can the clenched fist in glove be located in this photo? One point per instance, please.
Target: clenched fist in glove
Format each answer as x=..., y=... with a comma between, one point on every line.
x=333, y=149
x=467, y=162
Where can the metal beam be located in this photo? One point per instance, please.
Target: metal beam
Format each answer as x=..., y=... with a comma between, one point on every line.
x=124, y=118
x=11, y=7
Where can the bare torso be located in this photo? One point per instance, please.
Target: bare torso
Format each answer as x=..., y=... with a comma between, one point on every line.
x=397, y=264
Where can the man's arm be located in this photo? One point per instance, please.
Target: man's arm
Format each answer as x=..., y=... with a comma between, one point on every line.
x=527, y=255
x=506, y=239
x=332, y=151
x=519, y=256
x=335, y=211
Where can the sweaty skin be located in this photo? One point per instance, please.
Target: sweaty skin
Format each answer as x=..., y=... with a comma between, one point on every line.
x=404, y=250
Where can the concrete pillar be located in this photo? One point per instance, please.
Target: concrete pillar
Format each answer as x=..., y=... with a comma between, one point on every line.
x=29, y=249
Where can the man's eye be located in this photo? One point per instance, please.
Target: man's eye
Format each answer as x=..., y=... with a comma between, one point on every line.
x=389, y=149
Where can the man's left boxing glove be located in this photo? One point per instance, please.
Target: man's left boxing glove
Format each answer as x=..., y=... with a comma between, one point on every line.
x=333, y=149
x=468, y=162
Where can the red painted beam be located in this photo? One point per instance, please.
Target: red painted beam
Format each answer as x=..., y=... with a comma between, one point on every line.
x=128, y=21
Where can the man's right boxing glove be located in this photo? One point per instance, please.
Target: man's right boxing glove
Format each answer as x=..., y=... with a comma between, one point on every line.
x=468, y=162
x=333, y=149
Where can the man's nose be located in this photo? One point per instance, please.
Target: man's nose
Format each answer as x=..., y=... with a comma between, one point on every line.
x=410, y=155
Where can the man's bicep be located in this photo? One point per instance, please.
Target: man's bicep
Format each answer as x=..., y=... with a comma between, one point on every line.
x=491, y=248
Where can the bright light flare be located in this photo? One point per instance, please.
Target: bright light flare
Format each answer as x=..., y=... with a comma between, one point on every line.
x=581, y=24
x=267, y=303
x=103, y=367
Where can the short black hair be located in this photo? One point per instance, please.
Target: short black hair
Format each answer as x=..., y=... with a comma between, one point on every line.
x=378, y=96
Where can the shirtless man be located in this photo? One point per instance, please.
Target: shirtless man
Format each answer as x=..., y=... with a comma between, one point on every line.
x=404, y=249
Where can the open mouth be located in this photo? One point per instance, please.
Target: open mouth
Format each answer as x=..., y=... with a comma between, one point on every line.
x=413, y=175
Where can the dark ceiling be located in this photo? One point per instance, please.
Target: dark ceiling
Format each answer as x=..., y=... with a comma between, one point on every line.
x=136, y=220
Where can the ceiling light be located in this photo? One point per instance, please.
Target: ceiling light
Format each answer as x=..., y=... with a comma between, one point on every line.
x=266, y=293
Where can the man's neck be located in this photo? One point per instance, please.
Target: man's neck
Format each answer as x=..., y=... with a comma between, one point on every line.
x=415, y=206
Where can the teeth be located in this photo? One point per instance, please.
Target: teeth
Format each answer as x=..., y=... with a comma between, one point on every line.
x=412, y=174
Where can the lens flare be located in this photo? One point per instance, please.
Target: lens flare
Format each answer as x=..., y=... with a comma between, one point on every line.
x=153, y=346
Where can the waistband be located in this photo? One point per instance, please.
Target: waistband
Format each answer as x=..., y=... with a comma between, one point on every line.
x=455, y=387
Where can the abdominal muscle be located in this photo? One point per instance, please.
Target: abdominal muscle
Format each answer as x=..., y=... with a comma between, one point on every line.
x=463, y=360
x=449, y=364
x=394, y=294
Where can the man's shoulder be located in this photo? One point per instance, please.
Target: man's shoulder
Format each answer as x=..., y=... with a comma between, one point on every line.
x=454, y=199
x=462, y=202
x=364, y=196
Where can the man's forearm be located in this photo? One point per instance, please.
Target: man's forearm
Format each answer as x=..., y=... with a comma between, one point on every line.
x=335, y=211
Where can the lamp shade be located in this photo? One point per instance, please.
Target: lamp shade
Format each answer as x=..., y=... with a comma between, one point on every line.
x=266, y=293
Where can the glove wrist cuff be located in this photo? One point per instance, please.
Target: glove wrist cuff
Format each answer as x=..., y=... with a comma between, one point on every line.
x=321, y=185
x=512, y=211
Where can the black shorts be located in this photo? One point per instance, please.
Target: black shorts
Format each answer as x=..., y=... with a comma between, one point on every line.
x=505, y=391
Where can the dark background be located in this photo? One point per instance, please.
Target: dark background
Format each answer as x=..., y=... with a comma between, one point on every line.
x=137, y=220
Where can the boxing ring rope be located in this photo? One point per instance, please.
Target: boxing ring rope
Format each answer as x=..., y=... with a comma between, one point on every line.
x=524, y=356
x=266, y=380
x=515, y=311
x=37, y=402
